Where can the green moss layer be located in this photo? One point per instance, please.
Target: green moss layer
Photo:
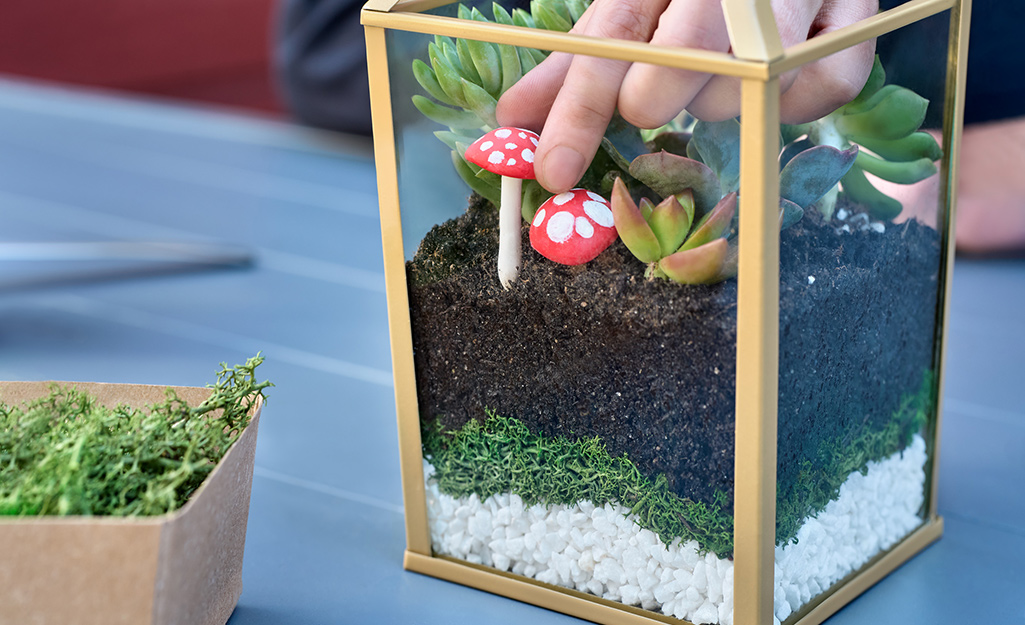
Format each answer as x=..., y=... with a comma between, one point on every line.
x=819, y=480
x=500, y=455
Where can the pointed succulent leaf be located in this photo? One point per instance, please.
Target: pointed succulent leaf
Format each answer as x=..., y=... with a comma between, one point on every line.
x=670, y=221
x=793, y=149
x=858, y=188
x=501, y=15
x=492, y=179
x=522, y=18
x=646, y=207
x=486, y=61
x=813, y=172
x=915, y=146
x=875, y=82
x=466, y=62
x=534, y=195
x=576, y=8
x=442, y=40
x=900, y=173
x=463, y=11
x=480, y=102
x=451, y=53
x=789, y=213
x=527, y=61
x=537, y=55
x=448, y=78
x=424, y=75
x=477, y=16
x=632, y=227
x=668, y=174
x=892, y=113
x=465, y=171
x=511, y=69
x=455, y=140
x=714, y=225
x=686, y=200
x=700, y=265
x=546, y=14
x=453, y=118
x=719, y=146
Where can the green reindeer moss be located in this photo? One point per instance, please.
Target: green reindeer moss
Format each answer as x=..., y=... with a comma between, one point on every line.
x=65, y=454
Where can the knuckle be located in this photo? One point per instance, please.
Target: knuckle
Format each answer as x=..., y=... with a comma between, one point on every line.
x=588, y=113
x=623, y=21
x=639, y=112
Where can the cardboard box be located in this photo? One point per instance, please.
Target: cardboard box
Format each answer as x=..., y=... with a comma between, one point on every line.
x=183, y=568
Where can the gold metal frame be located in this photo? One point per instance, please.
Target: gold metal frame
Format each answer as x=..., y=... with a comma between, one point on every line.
x=759, y=61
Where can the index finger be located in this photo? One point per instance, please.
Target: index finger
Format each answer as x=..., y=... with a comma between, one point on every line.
x=587, y=99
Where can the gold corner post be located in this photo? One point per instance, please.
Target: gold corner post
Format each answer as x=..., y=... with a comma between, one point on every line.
x=953, y=121
x=757, y=355
x=418, y=538
x=754, y=37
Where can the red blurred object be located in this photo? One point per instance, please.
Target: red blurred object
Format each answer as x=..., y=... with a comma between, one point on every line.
x=216, y=51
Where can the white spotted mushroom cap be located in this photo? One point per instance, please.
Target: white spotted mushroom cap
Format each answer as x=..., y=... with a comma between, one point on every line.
x=572, y=228
x=506, y=152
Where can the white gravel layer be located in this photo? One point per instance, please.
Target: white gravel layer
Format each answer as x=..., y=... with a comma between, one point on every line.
x=601, y=550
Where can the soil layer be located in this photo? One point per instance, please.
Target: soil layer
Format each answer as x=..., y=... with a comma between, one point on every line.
x=649, y=366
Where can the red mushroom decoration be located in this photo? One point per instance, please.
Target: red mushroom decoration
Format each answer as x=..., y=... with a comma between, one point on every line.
x=572, y=228
x=508, y=152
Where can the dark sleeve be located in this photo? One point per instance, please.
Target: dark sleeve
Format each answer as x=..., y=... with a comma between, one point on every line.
x=995, y=89
x=321, y=64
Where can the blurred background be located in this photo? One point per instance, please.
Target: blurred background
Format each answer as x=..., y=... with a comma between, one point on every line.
x=215, y=51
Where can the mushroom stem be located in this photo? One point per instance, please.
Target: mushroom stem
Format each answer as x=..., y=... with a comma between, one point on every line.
x=510, y=223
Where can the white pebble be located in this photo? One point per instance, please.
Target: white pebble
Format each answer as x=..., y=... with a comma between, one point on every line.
x=602, y=551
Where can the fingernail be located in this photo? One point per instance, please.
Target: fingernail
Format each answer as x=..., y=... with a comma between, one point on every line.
x=563, y=168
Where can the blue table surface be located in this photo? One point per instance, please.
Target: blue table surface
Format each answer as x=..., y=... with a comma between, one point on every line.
x=325, y=535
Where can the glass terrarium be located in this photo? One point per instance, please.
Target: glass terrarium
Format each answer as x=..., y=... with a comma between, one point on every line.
x=702, y=386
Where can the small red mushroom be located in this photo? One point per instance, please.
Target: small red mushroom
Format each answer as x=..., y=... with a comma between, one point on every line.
x=572, y=228
x=508, y=152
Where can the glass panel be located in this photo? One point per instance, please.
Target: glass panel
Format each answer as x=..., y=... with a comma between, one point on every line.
x=860, y=283
x=577, y=426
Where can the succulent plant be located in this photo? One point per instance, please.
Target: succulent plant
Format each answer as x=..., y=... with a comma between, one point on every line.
x=691, y=168
x=666, y=237
x=687, y=236
x=886, y=121
x=465, y=78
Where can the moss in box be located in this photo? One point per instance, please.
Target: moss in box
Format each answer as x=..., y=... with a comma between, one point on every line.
x=65, y=454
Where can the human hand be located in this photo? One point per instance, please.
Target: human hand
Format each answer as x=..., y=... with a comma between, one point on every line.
x=573, y=97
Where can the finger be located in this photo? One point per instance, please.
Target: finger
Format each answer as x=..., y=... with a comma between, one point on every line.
x=652, y=95
x=577, y=121
x=827, y=84
x=584, y=105
x=526, y=103
x=719, y=99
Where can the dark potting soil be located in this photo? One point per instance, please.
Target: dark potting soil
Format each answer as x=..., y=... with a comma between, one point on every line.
x=649, y=366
